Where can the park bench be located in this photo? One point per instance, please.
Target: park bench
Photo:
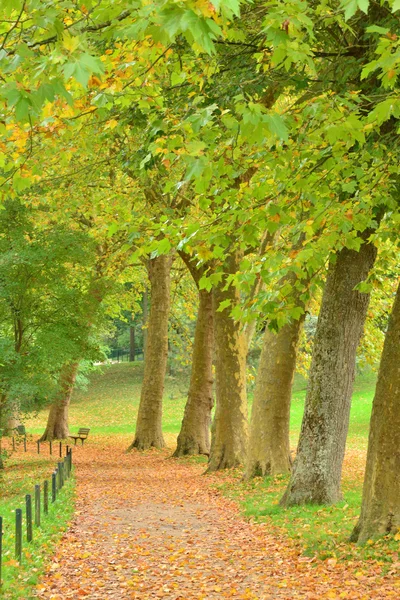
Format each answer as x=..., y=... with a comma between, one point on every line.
x=81, y=435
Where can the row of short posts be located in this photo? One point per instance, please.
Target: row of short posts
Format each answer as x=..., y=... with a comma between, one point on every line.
x=58, y=478
x=38, y=445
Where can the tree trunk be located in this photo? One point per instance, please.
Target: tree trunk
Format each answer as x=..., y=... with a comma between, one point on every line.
x=230, y=430
x=145, y=318
x=149, y=421
x=318, y=465
x=380, y=510
x=57, y=422
x=269, y=448
x=131, y=344
x=194, y=436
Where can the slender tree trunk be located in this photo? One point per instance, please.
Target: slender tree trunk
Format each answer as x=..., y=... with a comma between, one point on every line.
x=230, y=429
x=145, y=318
x=149, y=421
x=269, y=447
x=194, y=436
x=318, y=465
x=131, y=344
x=57, y=422
x=380, y=510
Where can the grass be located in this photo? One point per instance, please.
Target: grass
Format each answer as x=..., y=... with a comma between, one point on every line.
x=110, y=405
x=19, y=477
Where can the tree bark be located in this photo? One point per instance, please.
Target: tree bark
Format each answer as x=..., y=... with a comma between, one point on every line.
x=57, y=422
x=380, y=510
x=269, y=447
x=230, y=429
x=194, y=436
x=318, y=465
x=149, y=420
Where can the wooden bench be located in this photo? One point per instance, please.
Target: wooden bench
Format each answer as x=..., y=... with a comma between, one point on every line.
x=81, y=435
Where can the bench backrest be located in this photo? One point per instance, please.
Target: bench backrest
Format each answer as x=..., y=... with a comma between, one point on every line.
x=83, y=431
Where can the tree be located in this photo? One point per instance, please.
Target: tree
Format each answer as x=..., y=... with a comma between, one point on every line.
x=149, y=421
x=194, y=436
x=318, y=465
x=230, y=428
x=269, y=448
x=380, y=510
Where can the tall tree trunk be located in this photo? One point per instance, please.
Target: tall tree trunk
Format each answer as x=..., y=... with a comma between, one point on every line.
x=230, y=429
x=131, y=344
x=149, y=421
x=194, y=436
x=318, y=465
x=57, y=422
x=380, y=510
x=269, y=448
x=145, y=318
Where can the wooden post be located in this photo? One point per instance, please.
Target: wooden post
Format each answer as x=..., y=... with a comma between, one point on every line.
x=38, y=446
x=54, y=486
x=51, y=447
x=1, y=547
x=18, y=535
x=37, y=505
x=60, y=449
x=46, y=497
x=13, y=442
x=24, y=444
x=28, y=506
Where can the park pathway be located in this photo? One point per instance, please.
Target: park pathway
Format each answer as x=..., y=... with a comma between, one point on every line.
x=148, y=528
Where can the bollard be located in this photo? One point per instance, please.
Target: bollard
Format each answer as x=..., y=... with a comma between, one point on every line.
x=37, y=505
x=38, y=446
x=53, y=486
x=51, y=447
x=18, y=535
x=1, y=546
x=46, y=497
x=60, y=483
x=28, y=506
x=60, y=449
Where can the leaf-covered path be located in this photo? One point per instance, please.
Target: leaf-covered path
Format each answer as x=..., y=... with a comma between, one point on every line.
x=147, y=527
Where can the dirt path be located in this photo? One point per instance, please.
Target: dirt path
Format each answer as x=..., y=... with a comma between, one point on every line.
x=149, y=528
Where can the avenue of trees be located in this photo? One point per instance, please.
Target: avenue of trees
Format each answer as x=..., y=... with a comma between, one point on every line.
x=240, y=156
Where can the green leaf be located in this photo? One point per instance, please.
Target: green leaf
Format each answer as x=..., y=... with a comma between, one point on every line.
x=223, y=305
x=396, y=5
x=363, y=5
x=350, y=8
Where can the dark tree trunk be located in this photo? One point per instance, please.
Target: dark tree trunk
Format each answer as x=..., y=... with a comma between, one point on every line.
x=318, y=465
x=149, y=420
x=380, y=510
x=194, y=436
x=57, y=422
x=131, y=344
